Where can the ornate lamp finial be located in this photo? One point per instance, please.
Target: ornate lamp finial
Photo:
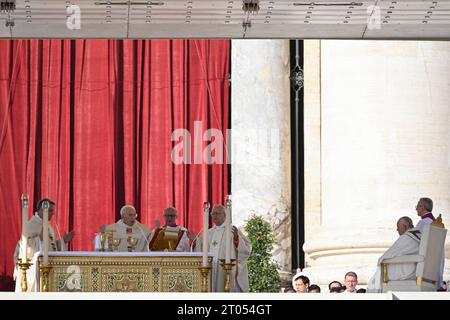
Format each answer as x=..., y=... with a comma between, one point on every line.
x=438, y=222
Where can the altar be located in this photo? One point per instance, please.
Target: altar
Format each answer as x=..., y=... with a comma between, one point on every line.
x=122, y=272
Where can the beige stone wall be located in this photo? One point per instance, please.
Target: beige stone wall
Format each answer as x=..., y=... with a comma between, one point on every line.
x=312, y=135
x=261, y=166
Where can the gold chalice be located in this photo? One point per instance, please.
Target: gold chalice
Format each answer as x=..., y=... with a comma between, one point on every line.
x=109, y=237
x=116, y=243
x=132, y=242
x=102, y=241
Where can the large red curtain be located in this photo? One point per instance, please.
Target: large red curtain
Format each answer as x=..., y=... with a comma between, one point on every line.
x=88, y=123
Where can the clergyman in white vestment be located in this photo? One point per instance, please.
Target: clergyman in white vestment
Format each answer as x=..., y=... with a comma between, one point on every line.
x=407, y=243
x=241, y=249
x=34, y=232
x=424, y=208
x=127, y=227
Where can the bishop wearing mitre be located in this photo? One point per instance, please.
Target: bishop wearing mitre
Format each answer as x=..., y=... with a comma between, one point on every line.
x=125, y=229
x=170, y=237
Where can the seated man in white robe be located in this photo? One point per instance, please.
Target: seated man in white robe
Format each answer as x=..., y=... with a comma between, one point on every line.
x=34, y=232
x=170, y=237
x=241, y=249
x=407, y=243
x=126, y=229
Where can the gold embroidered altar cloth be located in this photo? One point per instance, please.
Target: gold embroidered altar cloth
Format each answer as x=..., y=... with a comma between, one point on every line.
x=125, y=272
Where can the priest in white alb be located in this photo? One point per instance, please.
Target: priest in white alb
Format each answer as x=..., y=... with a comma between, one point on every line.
x=125, y=229
x=424, y=210
x=407, y=244
x=240, y=251
x=34, y=231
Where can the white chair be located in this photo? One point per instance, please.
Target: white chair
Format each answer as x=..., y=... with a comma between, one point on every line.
x=428, y=262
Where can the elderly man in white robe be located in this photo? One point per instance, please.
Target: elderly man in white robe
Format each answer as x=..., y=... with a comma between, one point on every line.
x=407, y=244
x=125, y=229
x=241, y=252
x=34, y=232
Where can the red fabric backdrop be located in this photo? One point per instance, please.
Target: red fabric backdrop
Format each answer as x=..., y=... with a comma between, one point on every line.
x=88, y=124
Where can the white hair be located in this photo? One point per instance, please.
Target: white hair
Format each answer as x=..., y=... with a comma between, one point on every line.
x=124, y=209
x=407, y=222
x=171, y=209
x=220, y=207
x=427, y=203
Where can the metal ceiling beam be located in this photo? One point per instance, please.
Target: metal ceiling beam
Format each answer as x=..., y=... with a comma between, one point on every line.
x=336, y=19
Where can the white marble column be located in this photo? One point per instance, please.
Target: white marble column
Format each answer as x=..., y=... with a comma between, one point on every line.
x=261, y=138
x=377, y=138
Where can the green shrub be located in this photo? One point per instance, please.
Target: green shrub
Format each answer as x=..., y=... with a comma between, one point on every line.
x=262, y=270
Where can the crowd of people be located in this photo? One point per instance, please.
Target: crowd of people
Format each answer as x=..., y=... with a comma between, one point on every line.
x=301, y=284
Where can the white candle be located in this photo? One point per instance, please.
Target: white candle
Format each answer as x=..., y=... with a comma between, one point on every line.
x=205, y=233
x=24, y=222
x=45, y=233
x=228, y=205
x=228, y=239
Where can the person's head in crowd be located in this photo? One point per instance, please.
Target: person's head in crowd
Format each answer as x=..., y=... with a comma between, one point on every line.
x=289, y=290
x=301, y=283
x=335, y=284
x=361, y=290
x=285, y=284
x=314, y=288
x=336, y=290
x=404, y=224
x=350, y=281
x=444, y=287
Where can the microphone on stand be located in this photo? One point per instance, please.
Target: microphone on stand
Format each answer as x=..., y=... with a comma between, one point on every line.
x=193, y=241
x=145, y=238
x=61, y=240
